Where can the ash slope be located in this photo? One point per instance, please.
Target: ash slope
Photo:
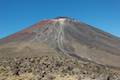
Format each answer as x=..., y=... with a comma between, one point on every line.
x=63, y=36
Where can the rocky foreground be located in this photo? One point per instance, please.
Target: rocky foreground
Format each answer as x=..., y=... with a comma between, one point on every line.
x=54, y=68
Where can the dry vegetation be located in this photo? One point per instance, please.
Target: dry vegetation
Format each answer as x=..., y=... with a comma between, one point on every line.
x=53, y=68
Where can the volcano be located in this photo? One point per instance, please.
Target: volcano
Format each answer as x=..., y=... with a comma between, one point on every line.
x=63, y=36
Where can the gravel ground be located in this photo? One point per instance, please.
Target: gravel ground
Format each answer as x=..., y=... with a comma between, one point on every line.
x=53, y=68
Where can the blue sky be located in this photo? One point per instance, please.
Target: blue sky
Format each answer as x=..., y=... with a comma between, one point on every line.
x=19, y=14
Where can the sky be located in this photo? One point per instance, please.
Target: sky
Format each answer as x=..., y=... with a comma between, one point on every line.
x=16, y=15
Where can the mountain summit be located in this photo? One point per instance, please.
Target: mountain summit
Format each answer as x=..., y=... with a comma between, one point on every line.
x=63, y=36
